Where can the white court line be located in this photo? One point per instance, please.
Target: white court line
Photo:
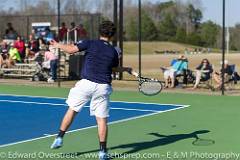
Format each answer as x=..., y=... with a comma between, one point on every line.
x=29, y=96
x=55, y=104
x=111, y=123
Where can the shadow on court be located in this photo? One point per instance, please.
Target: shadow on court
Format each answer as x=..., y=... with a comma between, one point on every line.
x=160, y=141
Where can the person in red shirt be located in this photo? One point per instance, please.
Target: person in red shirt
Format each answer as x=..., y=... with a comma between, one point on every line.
x=32, y=47
x=63, y=32
x=82, y=33
x=20, y=45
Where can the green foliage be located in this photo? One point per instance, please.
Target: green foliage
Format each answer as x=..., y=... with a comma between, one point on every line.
x=131, y=28
x=149, y=30
x=235, y=37
x=167, y=28
x=179, y=22
x=181, y=35
x=195, y=15
x=209, y=32
x=165, y=5
x=194, y=39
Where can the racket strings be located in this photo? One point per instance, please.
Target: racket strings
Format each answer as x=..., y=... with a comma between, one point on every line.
x=151, y=87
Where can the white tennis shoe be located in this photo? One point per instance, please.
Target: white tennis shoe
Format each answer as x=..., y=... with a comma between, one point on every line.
x=103, y=155
x=57, y=143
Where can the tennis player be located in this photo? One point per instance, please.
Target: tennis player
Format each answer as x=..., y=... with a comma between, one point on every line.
x=101, y=58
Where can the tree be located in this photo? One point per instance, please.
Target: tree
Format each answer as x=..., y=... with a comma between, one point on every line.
x=131, y=29
x=209, y=32
x=167, y=28
x=194, y=39
x=235, y=37
x=41, y=8
x=71, y=7
x=181, y=35
x=149, y=30
x=194, y=15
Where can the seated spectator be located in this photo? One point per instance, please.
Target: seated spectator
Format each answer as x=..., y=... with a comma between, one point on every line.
x=42, y=44
x=50, y=57
x=4, y=48
x=203, y=72
x=20, y=45
x=32, y=47
x=63, y=32
x=14, y=56
x=177, y=68
x=10, y=33
x=217, y=76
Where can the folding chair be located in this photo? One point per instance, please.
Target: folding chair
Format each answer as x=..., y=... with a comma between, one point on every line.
x=232, y=79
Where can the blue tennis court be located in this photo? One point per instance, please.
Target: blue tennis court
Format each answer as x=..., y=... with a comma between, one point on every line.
x=24, y=118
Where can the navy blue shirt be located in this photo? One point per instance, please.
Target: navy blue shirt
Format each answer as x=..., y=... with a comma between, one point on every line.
x=100, y=58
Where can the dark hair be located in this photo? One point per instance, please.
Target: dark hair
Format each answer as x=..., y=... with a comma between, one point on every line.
x=107, y=29
x=205, y=59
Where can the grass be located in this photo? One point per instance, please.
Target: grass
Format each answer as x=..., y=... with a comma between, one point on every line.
x=164, y=134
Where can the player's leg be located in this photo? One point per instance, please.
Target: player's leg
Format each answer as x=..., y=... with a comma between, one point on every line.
x=66, y=122
x=102, y=133
x=99, y=108
x=77, y=98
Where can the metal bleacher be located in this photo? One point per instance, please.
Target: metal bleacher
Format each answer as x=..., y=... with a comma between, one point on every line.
x=32, y=69
x=21, y=70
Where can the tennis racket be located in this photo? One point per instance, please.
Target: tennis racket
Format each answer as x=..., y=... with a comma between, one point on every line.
x=148, y=86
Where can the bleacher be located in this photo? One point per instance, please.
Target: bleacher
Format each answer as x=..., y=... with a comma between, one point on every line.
x=33, y=70
x=21, y=70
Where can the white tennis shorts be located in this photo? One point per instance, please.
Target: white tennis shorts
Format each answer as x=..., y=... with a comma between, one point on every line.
x=86, y=90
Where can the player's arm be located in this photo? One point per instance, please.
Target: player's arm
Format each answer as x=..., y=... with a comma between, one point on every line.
x=65, y=47
x=125, y=69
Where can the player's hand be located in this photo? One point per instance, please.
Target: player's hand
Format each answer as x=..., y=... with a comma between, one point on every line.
x=135, y=74
x=128, y=70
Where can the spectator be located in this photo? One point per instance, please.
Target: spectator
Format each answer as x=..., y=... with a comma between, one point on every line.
x=72, y=34
x=10, y=33
x=217, y=76
x=32, y=47
x=177, y=68
x=20, y=45
x=14, y=56
x=4, y=54
x=50, y=57
x=42, y=44
x=203, y=72
x=63, y=32
x=82, y=33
